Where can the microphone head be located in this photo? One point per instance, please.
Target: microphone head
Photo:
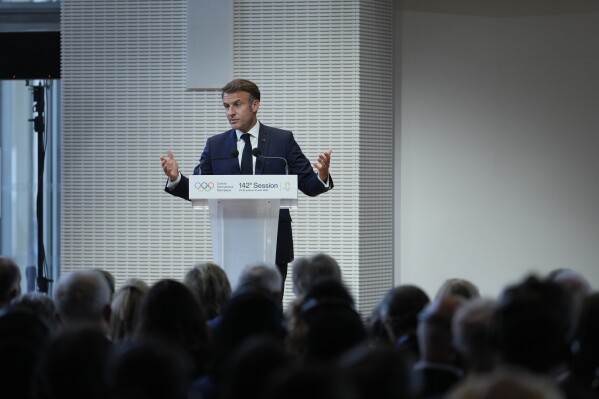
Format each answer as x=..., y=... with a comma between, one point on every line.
x=256, y=152
x=234, y=153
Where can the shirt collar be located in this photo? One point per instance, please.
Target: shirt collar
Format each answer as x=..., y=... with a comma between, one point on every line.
x=253, y=131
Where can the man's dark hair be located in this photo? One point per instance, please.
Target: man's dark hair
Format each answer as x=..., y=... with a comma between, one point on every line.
x=237, y=85
x=532, y=324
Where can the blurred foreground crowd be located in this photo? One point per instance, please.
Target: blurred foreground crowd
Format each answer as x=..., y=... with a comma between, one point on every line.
x=199, y=339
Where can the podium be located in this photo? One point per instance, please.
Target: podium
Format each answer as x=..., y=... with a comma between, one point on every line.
x=244, y=216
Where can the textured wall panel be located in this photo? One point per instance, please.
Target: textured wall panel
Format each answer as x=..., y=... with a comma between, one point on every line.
x=376, y=254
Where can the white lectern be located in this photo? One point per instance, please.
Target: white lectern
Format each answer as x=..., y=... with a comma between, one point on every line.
x=244, y=216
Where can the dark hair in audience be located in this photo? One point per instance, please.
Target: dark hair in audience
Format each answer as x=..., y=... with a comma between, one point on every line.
x=10, y=280
x=333, y=325
x=377, y=372
x=23, y=338
x=399, y=310
x=40, y=305
x=170, y=312
x=210, y=284
x=532, y=324
x=149, y=369
x=252, y=366
x=75, y=365
x=586, y=344
x=126, y=308
x=309, y=270
x=313, y=381
x=250, y=313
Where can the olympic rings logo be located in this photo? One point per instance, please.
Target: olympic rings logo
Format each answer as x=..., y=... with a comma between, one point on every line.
x=204, y=186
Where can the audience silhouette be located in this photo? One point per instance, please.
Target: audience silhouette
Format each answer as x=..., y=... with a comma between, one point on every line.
x=197, y=339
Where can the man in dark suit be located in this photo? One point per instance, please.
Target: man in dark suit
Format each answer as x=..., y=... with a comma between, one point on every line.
x=241, y=100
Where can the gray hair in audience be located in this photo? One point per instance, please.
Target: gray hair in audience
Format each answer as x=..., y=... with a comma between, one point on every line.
x=10, y=280
x=472, y=332
x=309, y=270
x=82, y=297
x=261, y=276
x=210, y=285
x=506, y=383
x=459, y=287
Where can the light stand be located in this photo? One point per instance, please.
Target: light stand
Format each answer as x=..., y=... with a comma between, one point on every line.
x=39, y=93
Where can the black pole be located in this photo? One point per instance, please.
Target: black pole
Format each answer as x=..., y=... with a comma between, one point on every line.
x=39, y=93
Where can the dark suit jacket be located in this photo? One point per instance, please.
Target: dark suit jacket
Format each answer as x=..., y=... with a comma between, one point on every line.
x=273, y=142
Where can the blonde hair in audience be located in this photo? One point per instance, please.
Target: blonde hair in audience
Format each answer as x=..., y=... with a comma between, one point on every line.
x=125, y=309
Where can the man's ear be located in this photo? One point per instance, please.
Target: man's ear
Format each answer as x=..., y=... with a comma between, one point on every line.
x=255, y=105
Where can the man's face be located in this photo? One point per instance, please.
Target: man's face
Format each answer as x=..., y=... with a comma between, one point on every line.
x=241, y=113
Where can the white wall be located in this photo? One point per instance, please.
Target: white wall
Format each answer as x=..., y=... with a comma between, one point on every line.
x=499, y=148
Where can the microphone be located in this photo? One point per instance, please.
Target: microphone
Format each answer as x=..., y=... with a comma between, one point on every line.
x=257, y=152
x=233, y=154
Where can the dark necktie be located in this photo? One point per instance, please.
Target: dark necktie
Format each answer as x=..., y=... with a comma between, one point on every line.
x=247, y=165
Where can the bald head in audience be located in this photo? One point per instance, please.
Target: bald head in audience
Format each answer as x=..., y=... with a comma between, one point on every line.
x=83, y=297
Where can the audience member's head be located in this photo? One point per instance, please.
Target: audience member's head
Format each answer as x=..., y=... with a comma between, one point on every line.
x=532, y=325
x=10, y=281
x=23, y=339
x=210, y=284
x=171, y=313
x=472, y=335
x=250, y=313
x=377, y=372
x=314, y=381
x=438, y=370
x=83, y=297
x=40, y=304
x=309, y=270
x=149, y=369
x=126, y=307
x=399, y=311
x=109, y=279
x=580, y=380
x=458, y=287
x=252, y=366
x=506, y=383
x=434, y=330
x=332, y=325
x=263, y=277
x=75, y=365
x=571, y=280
